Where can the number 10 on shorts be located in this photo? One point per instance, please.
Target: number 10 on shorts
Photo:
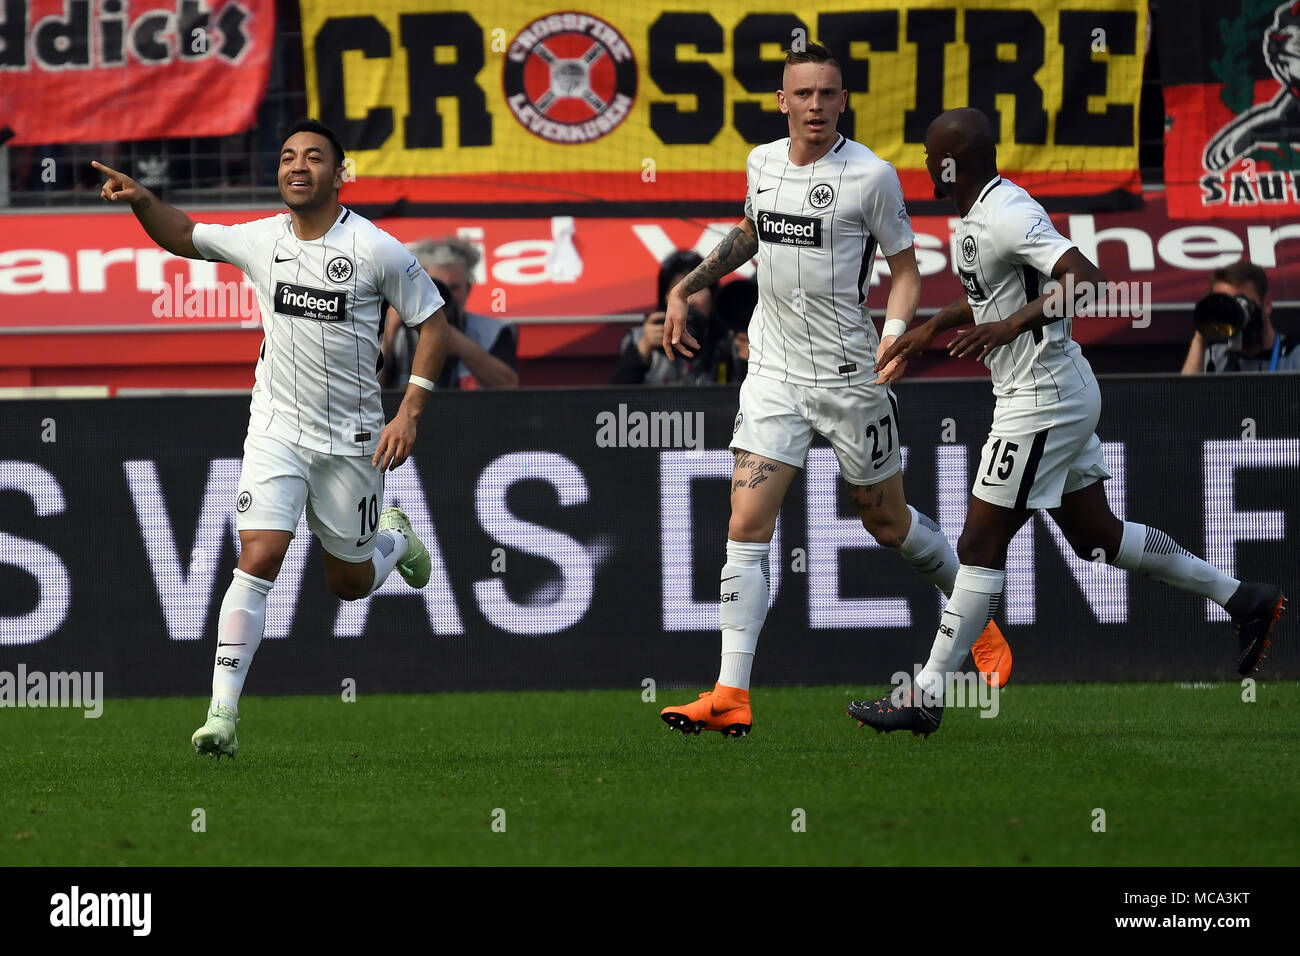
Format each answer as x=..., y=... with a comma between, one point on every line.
x=369, y=512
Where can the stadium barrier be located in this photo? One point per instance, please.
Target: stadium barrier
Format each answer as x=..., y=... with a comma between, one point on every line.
x=577, y=537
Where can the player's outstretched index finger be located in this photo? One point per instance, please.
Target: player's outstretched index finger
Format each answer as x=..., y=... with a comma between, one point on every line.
x=107, y=169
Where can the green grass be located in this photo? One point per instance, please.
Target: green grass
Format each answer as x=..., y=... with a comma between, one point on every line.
x=1185, y=776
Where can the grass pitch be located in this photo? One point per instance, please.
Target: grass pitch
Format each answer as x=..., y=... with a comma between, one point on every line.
x=1186, y=775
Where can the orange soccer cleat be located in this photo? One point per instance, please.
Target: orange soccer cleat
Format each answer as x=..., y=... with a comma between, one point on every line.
x=993, y=656
x=724, y=709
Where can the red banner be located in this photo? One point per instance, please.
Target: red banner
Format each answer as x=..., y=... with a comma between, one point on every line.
x=73, y=71
x=82, y=269
x=1232, y=102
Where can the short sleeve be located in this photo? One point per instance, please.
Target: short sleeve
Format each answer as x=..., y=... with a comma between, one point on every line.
x=1023, y=233
x=749, y=187
x=884, y=210
x=403, y=282
x=222, y=243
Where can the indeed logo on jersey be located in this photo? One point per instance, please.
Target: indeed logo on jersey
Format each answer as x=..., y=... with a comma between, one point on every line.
x=307, y=303
x=787, y=230
x=972, y=286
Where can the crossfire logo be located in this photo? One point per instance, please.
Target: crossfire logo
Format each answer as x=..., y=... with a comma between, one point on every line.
x=570, y=78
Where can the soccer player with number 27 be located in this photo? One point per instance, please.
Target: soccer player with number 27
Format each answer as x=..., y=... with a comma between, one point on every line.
x=817, y=207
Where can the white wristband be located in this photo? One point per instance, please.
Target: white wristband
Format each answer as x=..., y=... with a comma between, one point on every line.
x=893, y=327
x=422, y=382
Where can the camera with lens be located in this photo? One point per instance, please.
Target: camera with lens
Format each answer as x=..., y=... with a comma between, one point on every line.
x=697, y=324
x=1233, y=321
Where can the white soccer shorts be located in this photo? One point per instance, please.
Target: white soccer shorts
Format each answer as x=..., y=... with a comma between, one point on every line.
x=777, y=420
x=1033, y=456
x=343, y=495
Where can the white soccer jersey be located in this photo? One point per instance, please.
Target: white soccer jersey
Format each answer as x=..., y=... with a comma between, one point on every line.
x=323, y=307
x=818, y=229
x=1006, y=249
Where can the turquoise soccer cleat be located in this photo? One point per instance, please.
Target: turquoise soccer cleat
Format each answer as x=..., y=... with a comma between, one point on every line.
x=217, y=736
x=416, y=566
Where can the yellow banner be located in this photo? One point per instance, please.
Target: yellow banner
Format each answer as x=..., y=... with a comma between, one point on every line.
x=510, y=88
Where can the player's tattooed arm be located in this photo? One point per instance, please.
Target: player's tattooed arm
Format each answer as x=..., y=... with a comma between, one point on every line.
x=1044, y=310
x=166, y=225
x=735, y=249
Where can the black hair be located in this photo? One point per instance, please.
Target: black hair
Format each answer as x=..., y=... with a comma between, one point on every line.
x=1241, y=273
x=736, y=302
x=305, y=125
x=679, y=263
x=455, y=318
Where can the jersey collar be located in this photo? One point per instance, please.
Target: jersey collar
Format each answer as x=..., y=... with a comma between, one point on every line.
x=992, y=183
x=344, y=213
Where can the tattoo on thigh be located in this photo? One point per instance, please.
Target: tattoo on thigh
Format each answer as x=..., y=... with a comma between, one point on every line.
x=759, y=471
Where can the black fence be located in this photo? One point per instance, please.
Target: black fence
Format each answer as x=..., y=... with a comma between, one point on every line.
x=567, y=556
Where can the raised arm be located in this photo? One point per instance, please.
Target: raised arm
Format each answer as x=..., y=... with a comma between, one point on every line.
x=166, y=225
x=735, y=249
x=1194, y=364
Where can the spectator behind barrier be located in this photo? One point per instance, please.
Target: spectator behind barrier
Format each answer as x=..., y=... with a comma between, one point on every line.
x=1234, y=328
x=481, y=352
x=736, y=302
x=641, y=359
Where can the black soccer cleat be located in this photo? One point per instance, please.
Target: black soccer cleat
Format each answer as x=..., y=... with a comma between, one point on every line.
x=1255, y=608
x=884, y=715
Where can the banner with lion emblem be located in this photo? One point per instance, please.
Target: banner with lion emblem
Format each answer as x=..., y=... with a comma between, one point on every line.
x=1231, y=76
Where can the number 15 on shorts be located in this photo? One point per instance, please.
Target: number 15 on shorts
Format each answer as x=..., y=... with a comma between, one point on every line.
x=1001, y=471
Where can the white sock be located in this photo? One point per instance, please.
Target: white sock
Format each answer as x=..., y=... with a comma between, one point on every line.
x=976, y=594
x=743, y=609
x=239, y=631
x=390, y=547
x=1151, y=552
x=928, y=552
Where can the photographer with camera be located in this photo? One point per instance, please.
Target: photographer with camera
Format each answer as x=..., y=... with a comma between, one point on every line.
x=1234, y=331
x=641, y=358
